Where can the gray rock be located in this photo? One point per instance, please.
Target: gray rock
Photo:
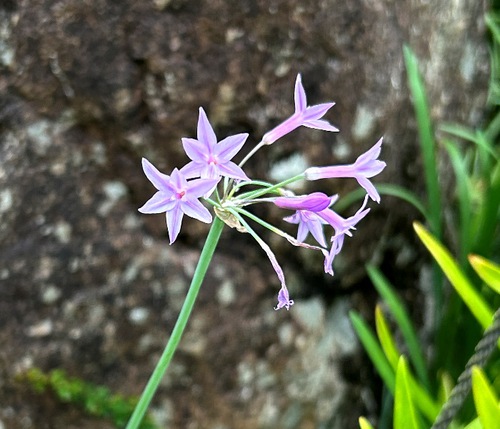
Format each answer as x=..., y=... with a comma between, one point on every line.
x=88, y=88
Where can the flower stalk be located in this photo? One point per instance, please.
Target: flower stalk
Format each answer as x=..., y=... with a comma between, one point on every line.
x=182, y=320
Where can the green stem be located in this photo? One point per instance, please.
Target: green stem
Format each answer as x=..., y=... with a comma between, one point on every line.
x=173, y=342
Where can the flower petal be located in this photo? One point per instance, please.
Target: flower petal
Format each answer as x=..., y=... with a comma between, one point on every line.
x=196, y=210
x=314, y=202
x=195, y=150
x=320, y=124
x=317, y=111
x=299, y=95
x=230, y=169
x=206, y=133
x=174, y=222
x=159, y=180
x=200, y=187
x=369, y=188
x=370, y=154
x=284, y=299
x=192, y=169
x=160, y=202
x=227, y=148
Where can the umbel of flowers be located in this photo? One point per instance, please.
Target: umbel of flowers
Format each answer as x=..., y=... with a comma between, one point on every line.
x=211, y=176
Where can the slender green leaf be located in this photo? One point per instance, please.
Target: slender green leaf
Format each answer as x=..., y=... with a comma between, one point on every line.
x=364, y=423
x=487, y=270
x=485, y=400
x=477, y=137
x=405, y=415
x=426, y=135
x=464, y=199
x=373, y=349
x=479, y=308
x=384, y=189
x=400, y=314
x=423, y=401
x=493, y=26
x=386, y=340
x=428, y=148
x=489, y=214
x=474, y=424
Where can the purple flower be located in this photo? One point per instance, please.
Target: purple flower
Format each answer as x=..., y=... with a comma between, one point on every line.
x=314, y=202
x=340, y=224
x=209, y=159
x=309, y=222
x=176, y=196
x=307, y=116
x=367, y=165
x=312, y=222
x=337, y=242
x=284, y=299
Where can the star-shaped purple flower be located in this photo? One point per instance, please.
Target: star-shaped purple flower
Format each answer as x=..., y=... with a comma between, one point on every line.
x=307, y=116
x=176, y=196
x=209, y=159
x=366, y=165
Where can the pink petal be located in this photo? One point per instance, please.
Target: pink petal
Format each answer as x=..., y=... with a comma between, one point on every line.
x=227, y=148
x=196, y=210
x=160, y=202
x=230, y=169
x=159, y=180
x=174, y=222
x=299, y=95
x=317, y=111
x=195, y=150
x=206, y=133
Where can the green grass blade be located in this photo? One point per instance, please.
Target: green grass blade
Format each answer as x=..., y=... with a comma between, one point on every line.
x=476, y=304
x=487, y=271
x=373, y=349
x=384, y=189
x=477, y=137
x=474, y=424
x=400, y=314
x=464, y=200
x=488, y=220
x=493, y=26
x=386, y=339
x=405, y=415
x=485, y=400
x=426, y=136
x=423, y=401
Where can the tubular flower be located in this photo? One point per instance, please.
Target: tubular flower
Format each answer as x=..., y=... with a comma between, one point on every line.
x=366, y=165
x=284, y=299
x=209, y=159
x=309, y=222
x=176, y=196
x=307, y=116
x=314, y=202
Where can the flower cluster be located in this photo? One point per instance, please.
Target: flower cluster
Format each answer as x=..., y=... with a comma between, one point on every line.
x=179, y=194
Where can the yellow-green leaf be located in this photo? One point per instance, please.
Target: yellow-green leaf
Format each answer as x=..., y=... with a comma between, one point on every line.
x=474, y=424
x=364, y=424
x=487, y=270
x=372, y=347
x=481, y=311
x=485, y=400
x=423, y=400
x=405, y=416
x=386, y=339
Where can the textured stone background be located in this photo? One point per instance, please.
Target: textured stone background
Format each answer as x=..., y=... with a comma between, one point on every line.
x=89, y=285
